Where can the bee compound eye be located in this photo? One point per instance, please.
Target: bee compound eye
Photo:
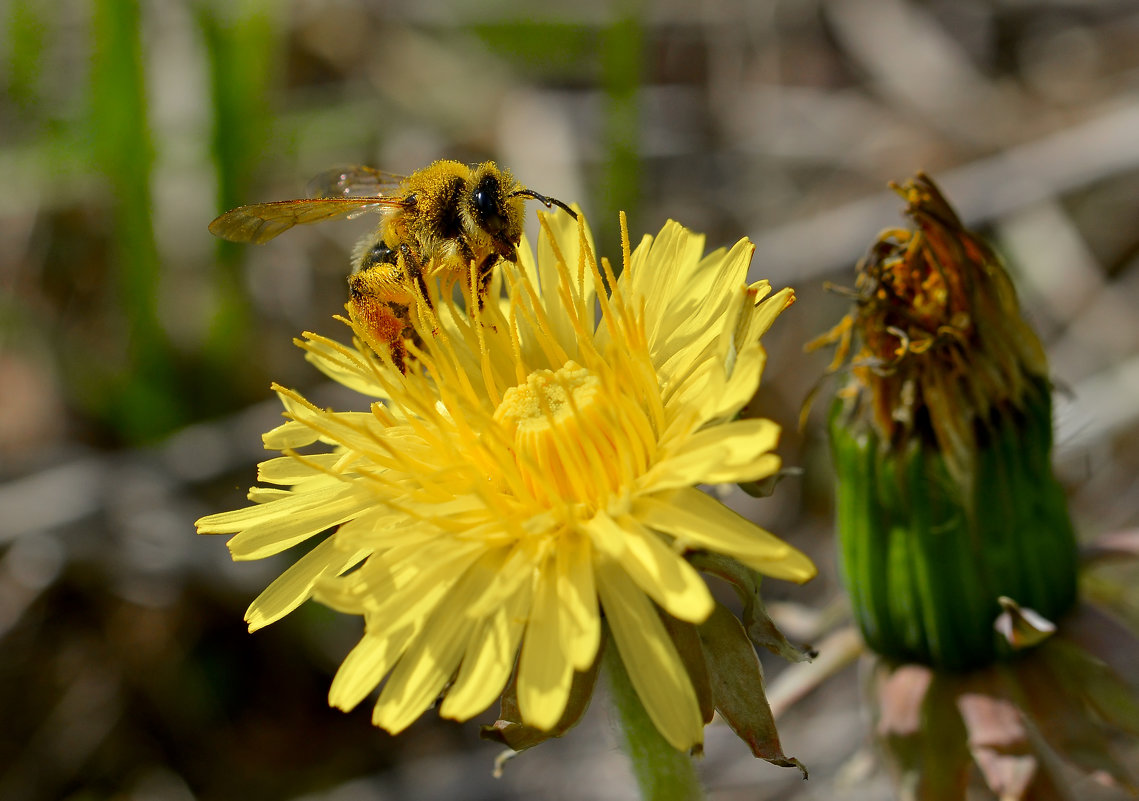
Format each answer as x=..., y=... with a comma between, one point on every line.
x=486, y=205
x=484, y=202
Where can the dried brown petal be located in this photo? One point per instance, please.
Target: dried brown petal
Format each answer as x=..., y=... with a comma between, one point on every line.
x=1020, y=626
x=901, y=694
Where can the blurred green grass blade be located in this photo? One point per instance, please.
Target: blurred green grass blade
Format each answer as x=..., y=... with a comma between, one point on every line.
x=550, y=50
x=143, y=400
x=124, y=151
x=243, y=56
x=241, y=47
x=622, y=57
x=25, y=34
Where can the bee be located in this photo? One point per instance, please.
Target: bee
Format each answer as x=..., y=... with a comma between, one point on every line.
x=446, y=221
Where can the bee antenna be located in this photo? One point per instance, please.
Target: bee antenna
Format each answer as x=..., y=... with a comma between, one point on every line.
x=549, y=202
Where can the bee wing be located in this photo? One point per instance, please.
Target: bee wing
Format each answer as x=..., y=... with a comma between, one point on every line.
x=355, y=181
x=260, y=222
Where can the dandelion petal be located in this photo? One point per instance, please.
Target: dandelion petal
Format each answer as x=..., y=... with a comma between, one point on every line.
x=654, y=667
x=544, y=673
x=420, y=676
x=580, y=621
x=294, y=586
x=365, y=666
x=693, y=517
x=734, y=452
x=487, y=664
x=659, y=571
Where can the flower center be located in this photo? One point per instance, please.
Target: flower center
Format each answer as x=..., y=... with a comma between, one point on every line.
x=572, y=436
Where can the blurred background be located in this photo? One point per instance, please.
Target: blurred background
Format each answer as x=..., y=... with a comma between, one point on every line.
x=136, y=351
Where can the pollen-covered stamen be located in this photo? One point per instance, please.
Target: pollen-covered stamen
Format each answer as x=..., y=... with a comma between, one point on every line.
x=571, y=434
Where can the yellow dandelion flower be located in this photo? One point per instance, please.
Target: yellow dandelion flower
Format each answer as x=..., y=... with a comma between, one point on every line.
x=531, y=474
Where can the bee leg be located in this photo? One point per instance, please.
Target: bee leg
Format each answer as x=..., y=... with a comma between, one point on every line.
x=414, y=271
x=483, y=273
x=399, y=356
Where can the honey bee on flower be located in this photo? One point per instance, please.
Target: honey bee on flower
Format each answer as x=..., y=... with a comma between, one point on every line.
x=446, y=221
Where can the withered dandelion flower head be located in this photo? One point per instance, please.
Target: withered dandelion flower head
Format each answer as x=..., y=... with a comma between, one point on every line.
x=959, y=556
x=529, y=482
x=941, y=343
x=942, y=441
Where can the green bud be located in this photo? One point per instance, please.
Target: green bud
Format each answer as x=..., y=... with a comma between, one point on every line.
x=942, y=437
x=926, y=561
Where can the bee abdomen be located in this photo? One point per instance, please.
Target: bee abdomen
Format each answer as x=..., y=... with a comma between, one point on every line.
x=378, y=253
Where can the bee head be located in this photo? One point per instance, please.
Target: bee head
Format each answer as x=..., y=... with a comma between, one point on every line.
x=495, y=209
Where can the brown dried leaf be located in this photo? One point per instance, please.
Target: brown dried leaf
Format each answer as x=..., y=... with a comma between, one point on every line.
x=999, y=743
x=737, y=687
x=921, y=733
x=765, y=487
x=1062, y=720
x=837, y=651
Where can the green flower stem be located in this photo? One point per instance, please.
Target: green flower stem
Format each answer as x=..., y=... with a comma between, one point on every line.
x=663, y=773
